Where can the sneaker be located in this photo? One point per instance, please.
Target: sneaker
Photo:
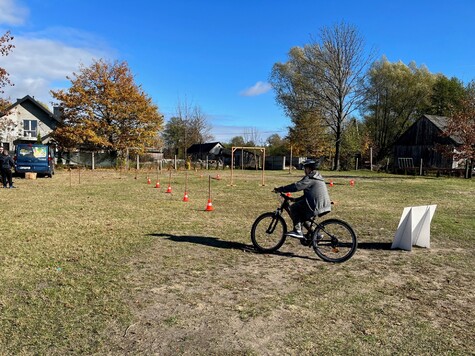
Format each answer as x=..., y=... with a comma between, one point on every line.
x=12, y=186
x=295, y=233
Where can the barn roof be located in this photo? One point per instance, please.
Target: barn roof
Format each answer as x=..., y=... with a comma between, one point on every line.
x=441, y=123
x=413, y=133
x=202, y=147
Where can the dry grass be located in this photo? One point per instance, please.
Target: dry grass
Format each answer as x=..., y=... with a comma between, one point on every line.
x=111, y=265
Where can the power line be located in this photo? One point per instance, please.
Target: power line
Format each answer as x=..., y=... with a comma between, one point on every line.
x=247, y=133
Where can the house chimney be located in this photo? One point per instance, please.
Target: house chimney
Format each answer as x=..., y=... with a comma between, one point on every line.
x=57, y=112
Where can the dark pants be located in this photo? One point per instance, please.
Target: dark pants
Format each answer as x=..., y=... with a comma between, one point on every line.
x=300, y=212
x=7, y=175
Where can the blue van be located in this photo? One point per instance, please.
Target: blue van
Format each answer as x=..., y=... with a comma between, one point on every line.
x=34, y=158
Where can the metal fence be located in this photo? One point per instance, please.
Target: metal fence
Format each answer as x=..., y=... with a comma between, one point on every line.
x=107, y=160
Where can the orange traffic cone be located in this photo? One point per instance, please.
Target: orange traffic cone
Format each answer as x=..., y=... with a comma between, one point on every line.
x=149, y=181
x=169, y=189
x=157, y=185
x=331, y=183
x=218, y=177
x=209, y=206
x=185, y=198
x=352, y=182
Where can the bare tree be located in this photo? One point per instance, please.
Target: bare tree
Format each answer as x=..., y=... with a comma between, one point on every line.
x=187, y=127
x=327, y=77
x=251, y=137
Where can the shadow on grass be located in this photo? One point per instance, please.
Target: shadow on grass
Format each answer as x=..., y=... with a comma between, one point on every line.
x=374, y=245
x=217, y=243
x=208, y=241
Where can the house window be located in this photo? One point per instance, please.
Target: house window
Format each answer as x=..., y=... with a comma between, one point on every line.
x=30, y=128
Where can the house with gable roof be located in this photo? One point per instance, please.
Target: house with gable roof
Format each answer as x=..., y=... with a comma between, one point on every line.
x=26, y=121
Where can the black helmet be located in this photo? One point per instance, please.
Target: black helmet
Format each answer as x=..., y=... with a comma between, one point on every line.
x=309, y=162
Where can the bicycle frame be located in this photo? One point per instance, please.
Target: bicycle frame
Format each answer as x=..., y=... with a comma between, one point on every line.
x=332, y=239
x=310, y=225
x=285, y=206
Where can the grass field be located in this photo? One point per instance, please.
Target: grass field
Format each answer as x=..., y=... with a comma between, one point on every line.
x=100, y=262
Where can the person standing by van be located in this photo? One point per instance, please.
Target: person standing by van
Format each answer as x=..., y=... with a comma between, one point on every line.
x=6, y=167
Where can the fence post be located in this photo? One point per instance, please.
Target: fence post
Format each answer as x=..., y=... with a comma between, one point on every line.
x=92, y=160
x=371, y=158
x=290, y=162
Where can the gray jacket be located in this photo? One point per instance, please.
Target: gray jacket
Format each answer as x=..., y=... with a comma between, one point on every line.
x=315, y=192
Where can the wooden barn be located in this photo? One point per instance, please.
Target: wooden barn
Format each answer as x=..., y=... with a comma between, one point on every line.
x=246, y=158
x=421, y=142
x=203, y=151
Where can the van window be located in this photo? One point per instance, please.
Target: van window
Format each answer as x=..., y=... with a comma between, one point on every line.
x=33, y=154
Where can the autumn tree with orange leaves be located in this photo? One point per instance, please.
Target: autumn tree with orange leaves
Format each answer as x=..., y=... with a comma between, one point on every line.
x=461, y=124
x=5, y=48
x=105, y=110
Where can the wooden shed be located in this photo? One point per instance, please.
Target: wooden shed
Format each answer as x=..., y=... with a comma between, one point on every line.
x=203, y=151
x=421, y=141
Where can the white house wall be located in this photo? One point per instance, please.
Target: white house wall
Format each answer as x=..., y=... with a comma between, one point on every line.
x=14, y=130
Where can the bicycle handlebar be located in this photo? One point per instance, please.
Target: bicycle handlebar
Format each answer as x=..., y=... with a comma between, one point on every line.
x=284, y=195
x=287, y=197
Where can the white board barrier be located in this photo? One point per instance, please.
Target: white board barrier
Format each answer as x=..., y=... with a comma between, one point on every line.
x=414, y=227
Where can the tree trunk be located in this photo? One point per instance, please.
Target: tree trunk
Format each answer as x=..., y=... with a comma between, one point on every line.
x=336, y=164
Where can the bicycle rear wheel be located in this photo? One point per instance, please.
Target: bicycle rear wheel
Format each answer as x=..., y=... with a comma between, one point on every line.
x=334, y=241
x=268, y=232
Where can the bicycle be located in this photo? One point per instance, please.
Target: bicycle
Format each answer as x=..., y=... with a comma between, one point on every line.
x=333, y=240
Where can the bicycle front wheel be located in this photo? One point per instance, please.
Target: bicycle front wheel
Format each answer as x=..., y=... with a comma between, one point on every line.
x=334, y=241
x=268, y=232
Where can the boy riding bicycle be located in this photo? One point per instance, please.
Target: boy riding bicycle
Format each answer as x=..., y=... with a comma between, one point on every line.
x=314, y=201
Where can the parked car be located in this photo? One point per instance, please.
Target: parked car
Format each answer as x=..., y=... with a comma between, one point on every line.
x=34, y=158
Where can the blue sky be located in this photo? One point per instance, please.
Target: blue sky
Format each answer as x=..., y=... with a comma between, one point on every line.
x=218, y=55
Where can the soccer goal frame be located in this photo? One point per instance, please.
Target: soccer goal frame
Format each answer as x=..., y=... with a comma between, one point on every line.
x=261, y=149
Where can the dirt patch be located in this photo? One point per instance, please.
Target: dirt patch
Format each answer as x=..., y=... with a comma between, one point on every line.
x=197, y=297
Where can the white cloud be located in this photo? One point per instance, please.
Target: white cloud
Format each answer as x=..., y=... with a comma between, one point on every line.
x=12, y=13
x=41, y=60
x=257, y=89
x=37, y=65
